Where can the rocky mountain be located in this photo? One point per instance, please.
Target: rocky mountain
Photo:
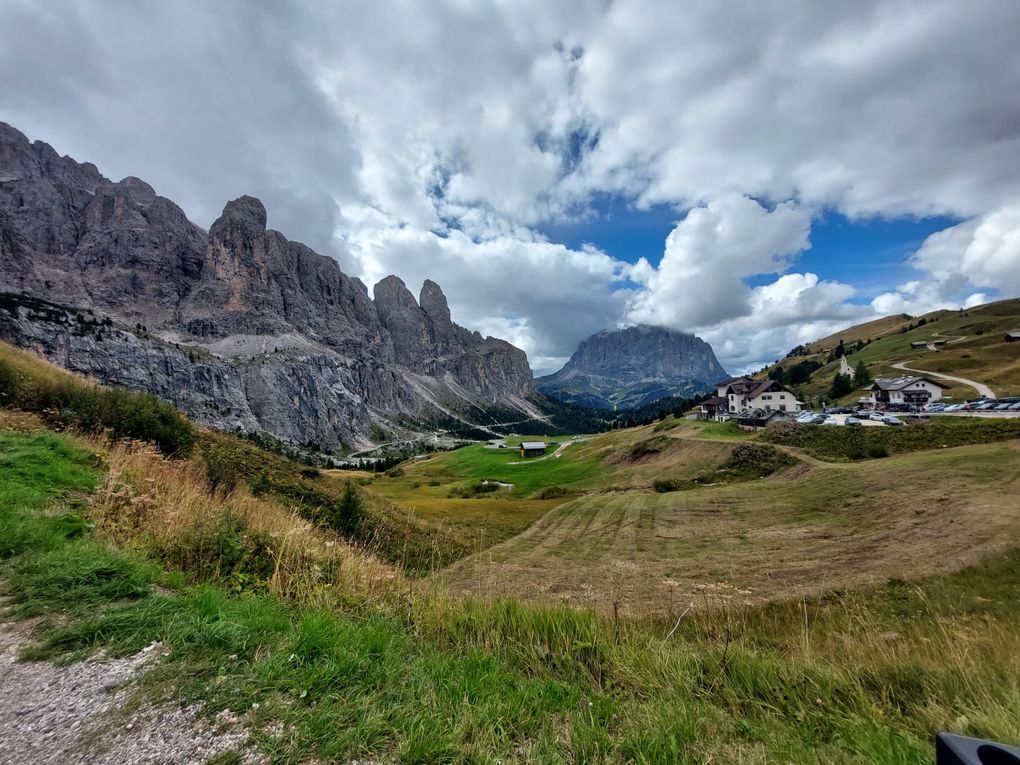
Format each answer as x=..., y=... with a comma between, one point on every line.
x=632, y=367
x=238, y=326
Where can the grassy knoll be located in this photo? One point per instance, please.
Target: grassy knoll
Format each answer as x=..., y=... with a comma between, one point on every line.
x=398, y=674
x=810, y=527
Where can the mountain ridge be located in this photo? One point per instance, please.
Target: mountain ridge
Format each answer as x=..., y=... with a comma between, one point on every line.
x=239, y=326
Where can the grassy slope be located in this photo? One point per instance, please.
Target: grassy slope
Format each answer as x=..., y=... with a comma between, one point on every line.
x=813, y=526
x=849, y=678
x=983, y=357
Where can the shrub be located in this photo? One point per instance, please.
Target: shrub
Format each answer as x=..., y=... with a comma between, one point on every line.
x=69, y=402
x=552, y=492
x=346, y=516
x=650, y=446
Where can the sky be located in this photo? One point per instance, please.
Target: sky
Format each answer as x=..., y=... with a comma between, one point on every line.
x=760, y=174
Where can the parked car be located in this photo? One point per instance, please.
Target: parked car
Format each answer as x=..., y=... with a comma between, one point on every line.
x=890, y=420
x=1002, y=407
x=853, y=421
x=1015, y=407
x=830, y=421
x=877, y=417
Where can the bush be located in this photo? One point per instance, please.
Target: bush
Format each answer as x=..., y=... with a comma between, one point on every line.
x=224, y=549
x=552, y=492
x=650, y=446
x=69, y=402
x=346, y=516
x=870, y=443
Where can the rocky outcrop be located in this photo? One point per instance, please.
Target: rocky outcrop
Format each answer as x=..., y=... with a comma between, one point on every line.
x=239, y=327
x=632, y=367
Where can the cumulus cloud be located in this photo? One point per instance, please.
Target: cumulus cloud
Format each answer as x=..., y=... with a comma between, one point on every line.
x=700, y=279
x=432, y=139
x=980, y=253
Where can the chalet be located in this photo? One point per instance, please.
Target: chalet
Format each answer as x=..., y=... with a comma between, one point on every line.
x=714, y=408
x=723, y=386
x=532, y=448
x=771, y=397
x=915, y=391
x=1013, y=337
x=736, y=394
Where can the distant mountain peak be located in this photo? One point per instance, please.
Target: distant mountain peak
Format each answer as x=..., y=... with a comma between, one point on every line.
x=634, y=366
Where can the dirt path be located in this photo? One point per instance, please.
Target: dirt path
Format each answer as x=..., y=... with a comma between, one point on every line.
x=85, y=712
x=981, y=388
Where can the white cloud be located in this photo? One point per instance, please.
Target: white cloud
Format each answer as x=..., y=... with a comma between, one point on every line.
x=980, y=253
x=700, y=279
x=430, y=139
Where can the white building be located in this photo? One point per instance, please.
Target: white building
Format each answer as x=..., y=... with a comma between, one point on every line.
x=913, y=391
x=772, y=397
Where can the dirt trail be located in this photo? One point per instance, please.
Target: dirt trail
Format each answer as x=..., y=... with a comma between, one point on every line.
x=981, y=388
x=84, y=712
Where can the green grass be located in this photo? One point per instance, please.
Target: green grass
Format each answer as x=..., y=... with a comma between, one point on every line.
x=31, y=384
x=472, y=463
x=424, y=680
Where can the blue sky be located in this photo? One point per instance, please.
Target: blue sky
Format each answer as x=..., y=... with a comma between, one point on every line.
x=869, y=253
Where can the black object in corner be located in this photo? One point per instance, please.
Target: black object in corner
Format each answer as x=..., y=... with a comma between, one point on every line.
x=951, y=749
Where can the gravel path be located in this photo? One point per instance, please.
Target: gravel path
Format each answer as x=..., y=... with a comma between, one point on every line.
x=80, y=714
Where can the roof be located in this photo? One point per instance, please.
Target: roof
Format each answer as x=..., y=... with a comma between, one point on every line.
x=1014, y=333
x=741, y=385
x=715, y=401
x=899, y=383
x=730, y=380
x=533, y=444
x=763, y=387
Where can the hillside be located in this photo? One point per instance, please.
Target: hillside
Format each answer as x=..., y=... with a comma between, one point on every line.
x=734, y=596
x=967, y=344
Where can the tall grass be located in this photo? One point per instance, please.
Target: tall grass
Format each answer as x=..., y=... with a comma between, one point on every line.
x=170, y=511
x=67, y=401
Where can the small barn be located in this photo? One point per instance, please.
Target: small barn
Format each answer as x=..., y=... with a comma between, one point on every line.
x=1013, y=337
x=533, y=448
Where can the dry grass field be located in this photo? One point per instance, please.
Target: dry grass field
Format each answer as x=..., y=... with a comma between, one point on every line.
x=815, y=527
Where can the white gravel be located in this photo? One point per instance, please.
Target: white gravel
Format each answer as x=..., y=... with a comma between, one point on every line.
x=82, y=713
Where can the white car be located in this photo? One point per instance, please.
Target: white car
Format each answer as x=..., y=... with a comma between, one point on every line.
x=830, y=421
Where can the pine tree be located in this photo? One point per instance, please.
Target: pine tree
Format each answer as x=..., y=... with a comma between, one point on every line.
x=841, y=386
x=862, y=375
x=346, y=517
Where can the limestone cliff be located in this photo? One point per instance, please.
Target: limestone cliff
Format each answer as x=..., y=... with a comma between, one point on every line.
x=632, y=367
x=239, y=327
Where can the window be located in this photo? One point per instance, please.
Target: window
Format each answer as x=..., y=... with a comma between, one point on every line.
x=782, y=407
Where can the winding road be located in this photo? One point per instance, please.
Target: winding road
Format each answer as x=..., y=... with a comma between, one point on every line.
x=981, y=388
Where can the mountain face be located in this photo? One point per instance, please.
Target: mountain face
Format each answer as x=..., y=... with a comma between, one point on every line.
x=238, y=326
x=634, y=366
